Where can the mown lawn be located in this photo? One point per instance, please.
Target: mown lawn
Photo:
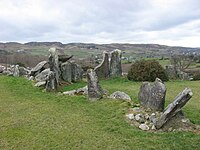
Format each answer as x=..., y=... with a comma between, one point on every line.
x=32, y=119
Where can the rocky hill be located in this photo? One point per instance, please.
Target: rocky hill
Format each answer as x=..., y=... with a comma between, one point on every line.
x=87, y=49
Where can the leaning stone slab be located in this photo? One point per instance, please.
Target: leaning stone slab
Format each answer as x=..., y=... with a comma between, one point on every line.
x=102, y=70
x=64, y=58
x=38, y=67
x=120, y=95
x=115, y=64
x=42, y=76
x=153, y=95
x=173, y=108
x=95, y=91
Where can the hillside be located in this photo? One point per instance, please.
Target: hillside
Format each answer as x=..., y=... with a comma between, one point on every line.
x=87, y=49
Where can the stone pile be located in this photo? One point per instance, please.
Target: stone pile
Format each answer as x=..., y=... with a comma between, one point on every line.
x=14, y=70
x=60, y=69
x=152, y=115
x=110, y=67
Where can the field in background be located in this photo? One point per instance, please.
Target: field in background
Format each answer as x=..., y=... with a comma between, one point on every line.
x=32, y=119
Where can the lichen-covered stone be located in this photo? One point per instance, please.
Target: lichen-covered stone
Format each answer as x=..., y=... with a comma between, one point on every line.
x=95, y=91
x=102, y=70
x=153, y=95
x=115, y=64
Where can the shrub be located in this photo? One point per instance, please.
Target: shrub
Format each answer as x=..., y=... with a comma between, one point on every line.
x=146, y=70
x=196, y=76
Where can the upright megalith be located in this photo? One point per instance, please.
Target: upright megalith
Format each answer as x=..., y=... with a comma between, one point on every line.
x=77, y=72
x=54, y=63
x=115, y=64
x=51, y=83
x=102, y=70
x=174, y=108
x=16, y=71
x=153, y=95
x=95, y=92
x=66, y=71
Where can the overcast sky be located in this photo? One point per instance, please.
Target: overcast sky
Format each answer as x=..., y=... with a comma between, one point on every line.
x=167, y=22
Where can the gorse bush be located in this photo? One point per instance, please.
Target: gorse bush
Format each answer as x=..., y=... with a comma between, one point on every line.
x=147, y=70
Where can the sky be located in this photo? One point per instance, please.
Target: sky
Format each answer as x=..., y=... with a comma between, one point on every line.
x=166, y=22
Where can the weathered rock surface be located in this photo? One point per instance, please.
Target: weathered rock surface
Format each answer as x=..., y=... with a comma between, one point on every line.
x=51, y=84
x=66, y=71
x=102, y=70
x=115, y=64
x=16, y=71
x=72, y=92
x=77, y=72
x=54, y=63
x=42, y=76
x=23, y=71
x=40, y=83
x=153, y=96
x=144, y=127
x=175, y=107
x=120, y=95
x=64, y=58
x=95, y=91
x=38, y=68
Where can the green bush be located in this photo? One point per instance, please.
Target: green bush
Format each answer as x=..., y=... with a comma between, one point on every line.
x=196, y=76
x=146, y=70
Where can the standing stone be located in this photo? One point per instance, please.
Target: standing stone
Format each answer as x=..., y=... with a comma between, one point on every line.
x=54, y=63
x=77, y=72
x=102, y=69
x=16, y=71
x=95, y=91
x=51, y=84
x=174, y=108
x=38, y=68
x=153, y=96
x=66, y=71
x=115, y=64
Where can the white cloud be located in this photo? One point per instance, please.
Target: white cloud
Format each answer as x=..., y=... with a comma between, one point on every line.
x=172, y=22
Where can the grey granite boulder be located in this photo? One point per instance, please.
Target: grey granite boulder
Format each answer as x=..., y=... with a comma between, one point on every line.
x=77, y=72
x=16, y=71
x=102, y=70
x=153, y=95
x=120, y=95
x=95, y=91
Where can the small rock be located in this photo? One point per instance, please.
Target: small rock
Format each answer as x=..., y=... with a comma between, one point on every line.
x=136, y=109
x=72, y=92
x=146, y=116
x=153, y=127
x=144, y=127
x=170, y=129
x=185, y=120
x=139, y=118
x=152, y=117
x=130, y=116
x=120, y=95
x=38, y=84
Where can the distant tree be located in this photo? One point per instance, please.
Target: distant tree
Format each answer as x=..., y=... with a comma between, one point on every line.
x=181, y=62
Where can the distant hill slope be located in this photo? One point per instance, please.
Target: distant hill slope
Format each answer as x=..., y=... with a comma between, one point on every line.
x=86, y=49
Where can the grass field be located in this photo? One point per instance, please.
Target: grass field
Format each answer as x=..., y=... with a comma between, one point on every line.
x=32, y=119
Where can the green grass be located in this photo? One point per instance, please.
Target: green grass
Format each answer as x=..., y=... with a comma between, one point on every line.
x=32, y=119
